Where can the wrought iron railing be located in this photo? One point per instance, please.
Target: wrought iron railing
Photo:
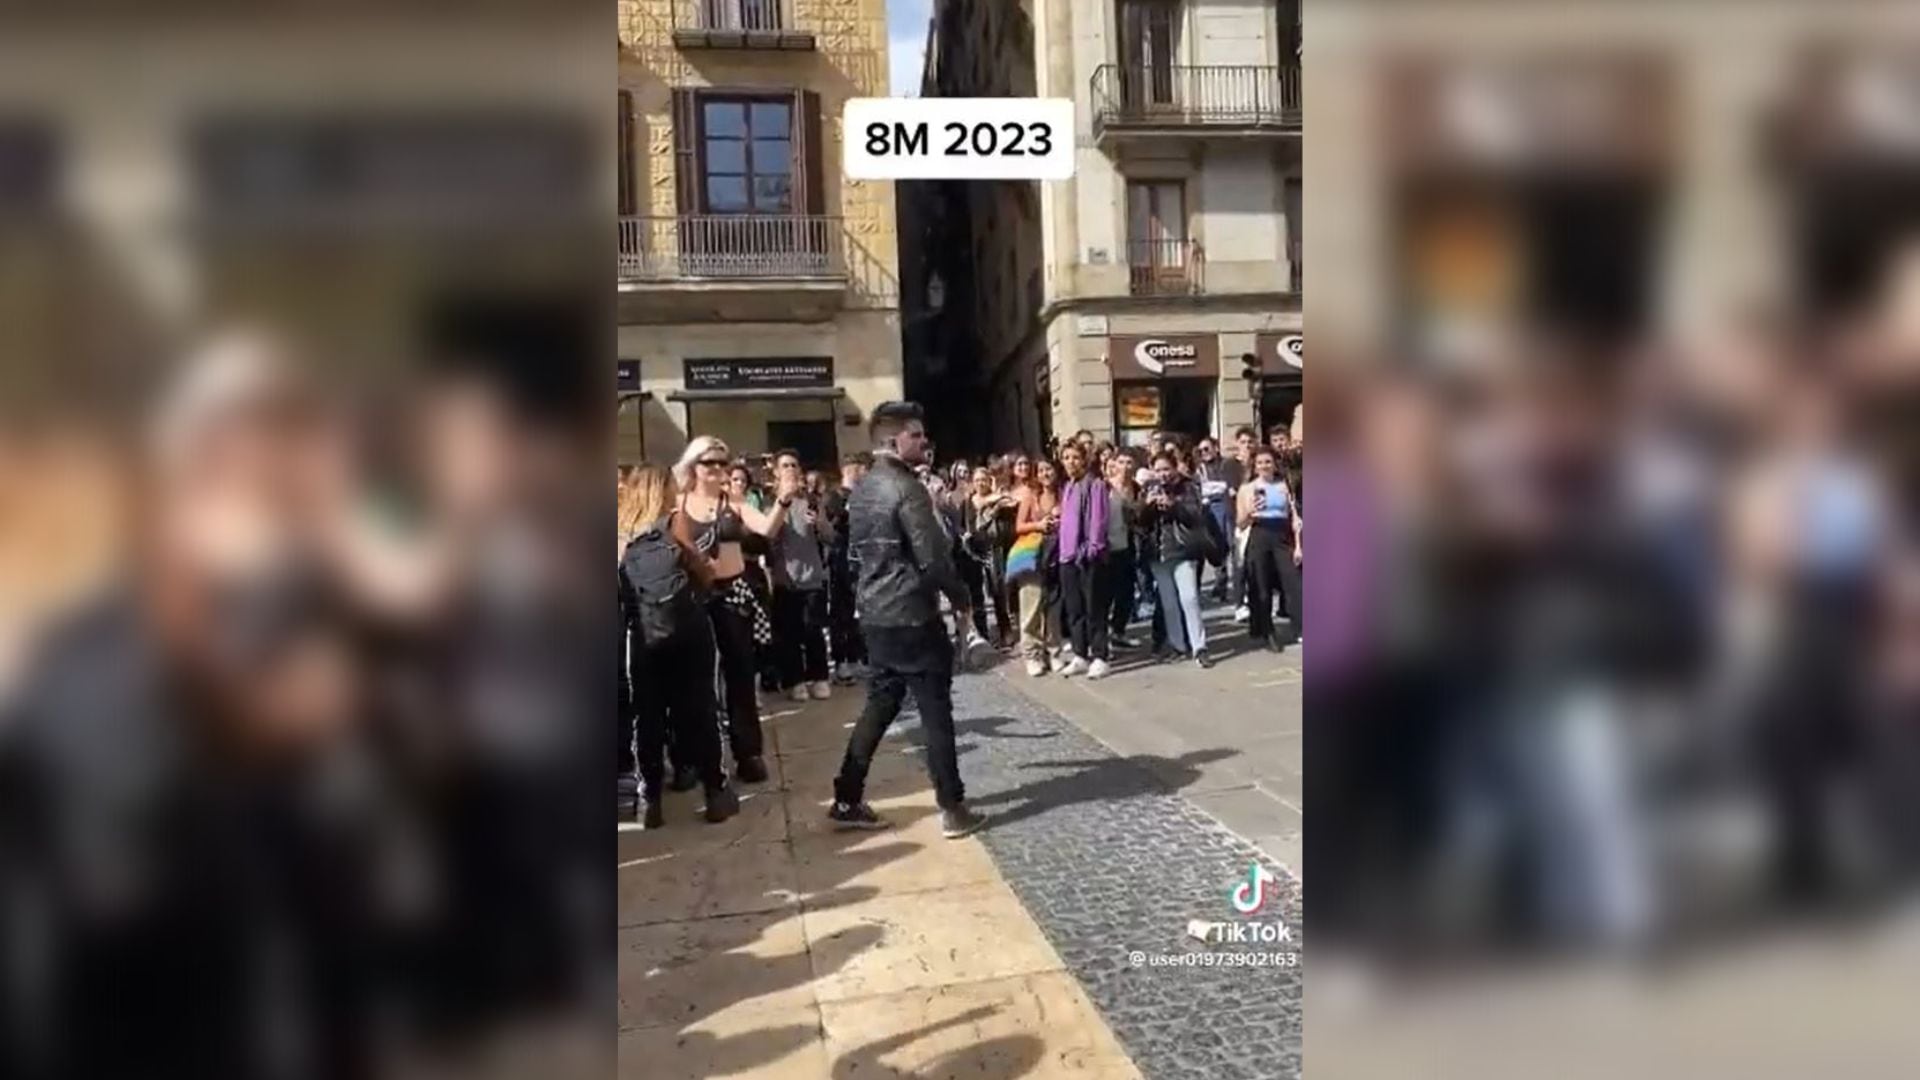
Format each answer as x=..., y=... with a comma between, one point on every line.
x=731, y=247
x=733, y=15
x=1248, y=95
x=1165, y=267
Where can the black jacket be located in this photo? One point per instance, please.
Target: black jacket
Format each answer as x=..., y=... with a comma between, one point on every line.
x=1175, y=533
x=905, y=557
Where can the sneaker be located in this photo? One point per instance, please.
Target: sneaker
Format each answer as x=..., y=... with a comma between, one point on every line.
x=651, y=817
x=977, y=654
x=1203, y=659
x=751, y=770
x=821, y=690
x=1242, y=613
x=1160, y=654
x=1122, y=641
x=798, y=693
x=959, y=822
x=1074, y=666
x=855, y=816
x=843, y=673
x=722, y=803
x=1036, y=668
x=683, y=780
x=1099, y=669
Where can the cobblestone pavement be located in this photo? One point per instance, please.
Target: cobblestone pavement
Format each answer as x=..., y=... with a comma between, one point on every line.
x=1110, y=860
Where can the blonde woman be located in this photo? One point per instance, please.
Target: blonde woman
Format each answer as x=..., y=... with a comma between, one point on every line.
x=670, y=639
x=715, y=524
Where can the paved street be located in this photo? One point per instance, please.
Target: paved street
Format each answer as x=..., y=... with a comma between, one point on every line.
x=769, y=947
x=1236, y=726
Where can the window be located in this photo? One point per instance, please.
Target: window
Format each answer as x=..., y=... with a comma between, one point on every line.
x=1149, y=45
x=740, y=15
x=1157, y=248
x=746, y=155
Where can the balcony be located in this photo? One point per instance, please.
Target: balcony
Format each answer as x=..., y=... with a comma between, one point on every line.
x=744, y=266
x=1165, y=268
x=1223, y=99
x=739, y=24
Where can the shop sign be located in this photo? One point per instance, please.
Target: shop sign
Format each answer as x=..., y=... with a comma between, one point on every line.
x=1281, y=354
x=627, y=375
x=760, y=373
x=1170, y=357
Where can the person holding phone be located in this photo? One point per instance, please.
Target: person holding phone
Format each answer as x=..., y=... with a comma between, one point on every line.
x=1273, y=550
x=1175, y=518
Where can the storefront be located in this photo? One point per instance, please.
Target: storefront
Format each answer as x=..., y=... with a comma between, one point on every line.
x=1527, y=192
x=1282, y=386
x=1164, y=383
x=762, y=404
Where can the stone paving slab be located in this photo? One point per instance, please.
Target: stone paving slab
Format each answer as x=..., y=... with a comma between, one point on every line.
x=1109, y=859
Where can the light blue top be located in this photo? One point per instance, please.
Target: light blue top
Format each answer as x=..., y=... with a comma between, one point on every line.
x=1277, y=506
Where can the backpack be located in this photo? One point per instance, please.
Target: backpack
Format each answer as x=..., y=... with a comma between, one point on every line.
x=663, y=592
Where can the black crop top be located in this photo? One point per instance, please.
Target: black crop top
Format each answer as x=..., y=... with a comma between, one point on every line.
x=727, y=527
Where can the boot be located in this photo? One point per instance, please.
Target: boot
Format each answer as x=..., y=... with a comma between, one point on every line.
x=722, y=802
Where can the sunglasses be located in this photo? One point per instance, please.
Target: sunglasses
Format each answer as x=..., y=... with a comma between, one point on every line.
x=713, y=463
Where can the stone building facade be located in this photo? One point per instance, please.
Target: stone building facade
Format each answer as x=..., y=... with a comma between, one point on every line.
x=758, y=288
x=1134, y=296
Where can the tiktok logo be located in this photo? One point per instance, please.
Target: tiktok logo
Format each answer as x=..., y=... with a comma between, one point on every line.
x=1251, y=895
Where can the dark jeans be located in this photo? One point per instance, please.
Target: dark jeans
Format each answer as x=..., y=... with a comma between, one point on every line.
x=917, y=659
x=1086, y=597
x=1006, y=599
x=733, y=632
x=800, y=635
x=1270, y=570
x=844, y=629
x=1121, y=590
x=974, y=574
x=673, y=693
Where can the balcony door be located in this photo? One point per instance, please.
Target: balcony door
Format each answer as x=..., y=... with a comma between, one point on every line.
x=1158, y=252
x=1149, y=52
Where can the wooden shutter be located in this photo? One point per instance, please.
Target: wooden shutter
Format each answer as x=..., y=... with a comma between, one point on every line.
x=810, y=152
x=687, y=188
x=628, y=203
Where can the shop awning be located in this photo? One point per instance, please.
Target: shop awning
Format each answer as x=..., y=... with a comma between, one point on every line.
x=772, y=393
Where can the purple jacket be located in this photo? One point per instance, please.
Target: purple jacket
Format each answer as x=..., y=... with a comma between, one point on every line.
x=1084, y=502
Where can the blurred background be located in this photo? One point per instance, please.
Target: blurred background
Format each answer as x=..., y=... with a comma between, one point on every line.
x=1614, y=709
x=303, y=469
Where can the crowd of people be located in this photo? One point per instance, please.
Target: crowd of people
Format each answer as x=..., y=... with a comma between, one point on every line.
x=739, y=579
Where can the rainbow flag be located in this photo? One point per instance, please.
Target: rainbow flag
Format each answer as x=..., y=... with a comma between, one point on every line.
x=1023, y=559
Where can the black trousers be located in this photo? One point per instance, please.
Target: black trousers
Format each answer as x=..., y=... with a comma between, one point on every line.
x=1121, y=590
x=1086, y=600
x=800, y=635
x=1270, y=570
x=974, y=574
x=733, y=633
x=673, y=693
x=917, y=660
x=844, y=628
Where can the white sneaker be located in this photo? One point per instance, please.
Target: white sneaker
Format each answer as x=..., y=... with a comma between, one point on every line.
x=798, y=693
x=1036, y=668
x=1073, y=666
x=1099, y=669
x=822, y=690
x=1242, y=613
x=842, y=673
